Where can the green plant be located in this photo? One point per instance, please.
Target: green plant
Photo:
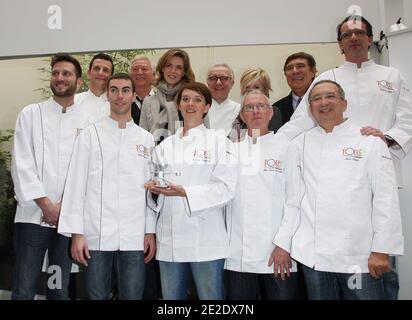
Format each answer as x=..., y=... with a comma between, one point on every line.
x=7, y=201
x=121, y=61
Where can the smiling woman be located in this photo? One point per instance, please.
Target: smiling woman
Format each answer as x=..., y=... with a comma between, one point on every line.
x=159, y=113
x=195, y=200
x=194, y=101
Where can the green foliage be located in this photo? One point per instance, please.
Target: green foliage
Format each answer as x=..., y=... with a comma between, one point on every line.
x=121, y=61
x=7, y=201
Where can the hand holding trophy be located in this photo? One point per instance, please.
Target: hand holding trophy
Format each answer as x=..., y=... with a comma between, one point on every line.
x=159, y=166
x=158, y=184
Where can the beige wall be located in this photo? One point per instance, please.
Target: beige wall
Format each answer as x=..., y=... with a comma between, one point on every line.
x=21, y=77
x=18, y=83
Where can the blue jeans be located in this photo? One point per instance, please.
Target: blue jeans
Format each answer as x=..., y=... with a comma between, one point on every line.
x=250, y=286
x=391, y=281
x=30, y=244
x=130, y=273
x=342, y=286
x=207, y=276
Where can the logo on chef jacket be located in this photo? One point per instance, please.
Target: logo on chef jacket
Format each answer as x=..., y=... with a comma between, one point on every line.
x=272, y=165
x=352, y=154
x=142, y=151
x=384, y=85
x=201, y=155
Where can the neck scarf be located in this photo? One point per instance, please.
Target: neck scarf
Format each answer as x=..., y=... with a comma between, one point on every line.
x=169, y=91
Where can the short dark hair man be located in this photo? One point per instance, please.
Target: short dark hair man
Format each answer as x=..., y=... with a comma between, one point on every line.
x=300, y=71
x=42, y=148
x=94, y=101
x=104, y=203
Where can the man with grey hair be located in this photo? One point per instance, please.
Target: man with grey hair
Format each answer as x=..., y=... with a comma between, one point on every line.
x=142, y=74
x=222, y=113
x=341, y=218
x=251, y=228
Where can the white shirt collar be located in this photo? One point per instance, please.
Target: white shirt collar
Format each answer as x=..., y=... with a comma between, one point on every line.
x=193, y=132
x=103, y=96
x=217, y=103
x=70, y=108
x=352, y=65
x=339, y=128
x=115, y=123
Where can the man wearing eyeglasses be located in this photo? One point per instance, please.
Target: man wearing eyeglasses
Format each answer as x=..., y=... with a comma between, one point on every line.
x=222, y=113
x=341, y=218
x=378, y=100
x=257, y=208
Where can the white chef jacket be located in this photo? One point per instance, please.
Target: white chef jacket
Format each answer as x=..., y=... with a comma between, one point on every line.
x=42, y=147
x=97, y=107
x=104, y=198
x=347, y=204
x=192, y=229
x=222, y=115
x=257, y=208
x=377, y=96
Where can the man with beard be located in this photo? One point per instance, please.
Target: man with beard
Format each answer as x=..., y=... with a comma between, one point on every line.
x=43, y=141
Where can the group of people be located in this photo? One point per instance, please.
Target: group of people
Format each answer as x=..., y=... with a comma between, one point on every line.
x=293, y=200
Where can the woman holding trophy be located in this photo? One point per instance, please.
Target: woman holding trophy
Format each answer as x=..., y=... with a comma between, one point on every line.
x=195, y=178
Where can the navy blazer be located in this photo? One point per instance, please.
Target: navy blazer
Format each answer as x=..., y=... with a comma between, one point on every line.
x=276, y=122
x=285, y=106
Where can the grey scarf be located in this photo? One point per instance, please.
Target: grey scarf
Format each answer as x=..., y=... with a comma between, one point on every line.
x=169, y=91
x=168, y=116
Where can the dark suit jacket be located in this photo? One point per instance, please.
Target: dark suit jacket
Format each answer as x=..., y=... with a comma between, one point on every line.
x=135, y=113
x=286, y=107
x=276, y=122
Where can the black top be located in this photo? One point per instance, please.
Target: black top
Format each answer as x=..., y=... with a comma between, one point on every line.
x=276, y=122
x=285, y=106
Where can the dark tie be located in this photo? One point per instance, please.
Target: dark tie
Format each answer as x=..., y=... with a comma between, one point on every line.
x=140, y=101
x=297, y=102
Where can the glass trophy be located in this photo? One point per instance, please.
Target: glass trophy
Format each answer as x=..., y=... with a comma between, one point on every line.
x=159, y=166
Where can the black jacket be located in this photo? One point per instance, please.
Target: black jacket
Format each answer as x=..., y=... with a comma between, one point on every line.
x=285, y=106
x=276, y=122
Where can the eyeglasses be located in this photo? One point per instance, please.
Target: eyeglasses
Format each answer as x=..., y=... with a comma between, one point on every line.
x=221, y=78
x=258, y=107
x=356, y=32
x=330, y=97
